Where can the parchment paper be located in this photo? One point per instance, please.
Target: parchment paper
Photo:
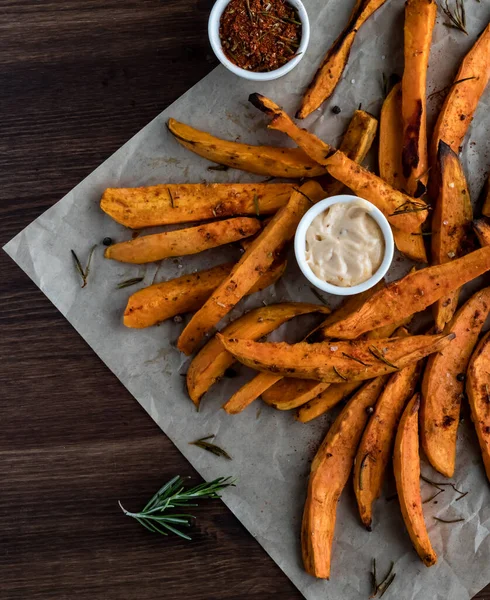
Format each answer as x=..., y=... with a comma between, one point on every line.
x=271, y=451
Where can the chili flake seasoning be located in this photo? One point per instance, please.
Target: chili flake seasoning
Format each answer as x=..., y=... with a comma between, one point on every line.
x=260, y=35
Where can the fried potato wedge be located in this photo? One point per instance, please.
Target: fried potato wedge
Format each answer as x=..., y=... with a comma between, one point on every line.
x=451, y=224
x=443, y=384
x=478, y=392
x=420, y=18
x=391, y=170
x=411, y=294
x=375, y=449
x=463, y=97
x=482, y=229
x=270, y=161
x=335, y=362
x=161, y=301
x=255, y=261
x=406, y=463
x=170, y=204
x=355, y=144
x=330, y=71
x=250, y=392
x=210, y=364
x=326, y=400
x=329, y=474
x=182, y=242
x=401, y=210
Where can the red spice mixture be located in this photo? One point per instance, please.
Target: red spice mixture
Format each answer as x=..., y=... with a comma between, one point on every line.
x=260, y=35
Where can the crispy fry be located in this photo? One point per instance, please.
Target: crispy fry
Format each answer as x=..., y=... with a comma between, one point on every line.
x=256, y=260
x=330, y=71
x=401, y=210
x=478, y=392
x=451, y=224
x=378, y=437
x=391, y=170
x=209, y=365
x=269, y=161
x=461, y=102
x=330, y=472
x=290, y=392
x=356, y=143
x=412, y=294
x=160, y=301
x=420, y=18
x=335, y=362
x=250, y=392
x=406, y=463
x=482, y=229
x=443, y=384
x=169, y=204
x=182, y=242
x=326, y=400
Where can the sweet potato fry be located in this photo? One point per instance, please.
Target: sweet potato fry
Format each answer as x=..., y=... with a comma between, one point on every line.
x=451, y=224
x=256, y=260
x=406, y=463
x=486, y=199
x=420, y=18
x=335, y=61
x=401, y=210
x=326, y=400
x=443, y=384
x=390, y=169
x=482, y=229
x=250, y=392
x=160, y=301
x=478, y=392
x=330, y=472
x=356, y=143
x=411, y=294
x=335, y=362
x=169, y=204
x=374, y=452
x=209, y=365
x=182, y=242
x=461, y=102
x=270, y=161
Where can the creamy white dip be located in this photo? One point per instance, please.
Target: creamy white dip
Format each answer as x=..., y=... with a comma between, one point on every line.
x=344, y=245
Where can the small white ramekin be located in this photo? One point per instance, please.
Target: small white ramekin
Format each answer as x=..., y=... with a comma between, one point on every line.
x=213, y=32
x=300, y=245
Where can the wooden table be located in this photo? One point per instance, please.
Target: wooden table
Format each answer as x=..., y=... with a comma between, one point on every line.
x=77, y=79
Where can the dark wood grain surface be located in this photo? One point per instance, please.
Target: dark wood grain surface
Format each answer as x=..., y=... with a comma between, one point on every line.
x=77, y=79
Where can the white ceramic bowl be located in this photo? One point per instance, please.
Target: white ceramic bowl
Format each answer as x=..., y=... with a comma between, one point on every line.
x=300, y=243
x=213, y=32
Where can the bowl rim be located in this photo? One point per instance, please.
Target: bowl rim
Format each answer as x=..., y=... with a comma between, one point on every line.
x=300, y=242
x=214, y=39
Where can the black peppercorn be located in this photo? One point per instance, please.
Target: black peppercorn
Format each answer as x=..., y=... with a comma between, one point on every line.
x=336, y=110
x=107, y=241
x=460, y=376
x=369, y=410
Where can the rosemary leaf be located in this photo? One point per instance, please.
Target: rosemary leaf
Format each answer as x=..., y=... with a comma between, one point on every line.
x=456, y=16
x=218, y=168
x=377, y=354
x=448, y=520
x=387, y=585
x=129, y=282
x=171, y=198
x=339, y=374
x=78, y=265
x=303, y=194
x=356, y=359
x=432, y=497
x=205, y=445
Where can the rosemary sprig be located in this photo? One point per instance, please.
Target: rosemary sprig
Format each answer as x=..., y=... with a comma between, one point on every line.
x=441, y=485
x=154, y=515
x=433, y=496
x=379, y=355
x=303, y=194
x=218, y=168
x=318, y=295
x=447, y=88
x=78, y=265
x=448, y=520
x=409, y=207
x=210, y=447
x=339, y=374
x=249, y=10
x=356, y=359
x=171, y=198
x=457, y=17
x=256, y=205
x=380, y=588
x=129, y=282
